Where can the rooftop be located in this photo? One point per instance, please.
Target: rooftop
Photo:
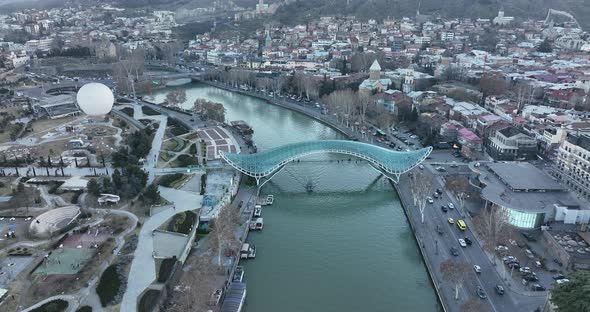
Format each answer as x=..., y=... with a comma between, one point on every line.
x=375, y=66
x=524, y=177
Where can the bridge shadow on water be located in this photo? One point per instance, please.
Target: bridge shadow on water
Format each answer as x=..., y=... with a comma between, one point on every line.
x=328, y=176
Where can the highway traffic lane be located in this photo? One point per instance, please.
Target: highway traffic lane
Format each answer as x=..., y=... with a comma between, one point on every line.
x=475, y=255
x=472, y=254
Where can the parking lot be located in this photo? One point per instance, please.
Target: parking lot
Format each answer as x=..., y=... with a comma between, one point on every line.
x=11, y=267
x=13, y=224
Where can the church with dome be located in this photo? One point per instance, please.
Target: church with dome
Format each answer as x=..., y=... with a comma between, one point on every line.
x=375, y=83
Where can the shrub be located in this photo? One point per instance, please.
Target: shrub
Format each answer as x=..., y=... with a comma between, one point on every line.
x=186, y=160
x=149, y=111
x=128, y=111
x=169, y=179
x=166, y=269
x=53, y=306
x=178, y=130
x=108, y=286
x=203, y=184
x=148, y=300
x=85, y=309
x=182, y=222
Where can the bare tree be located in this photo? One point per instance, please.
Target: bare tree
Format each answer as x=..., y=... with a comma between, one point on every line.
x=364, y=99
x=460, y=187
x=493, y=225
x=383, y=119
x=474, y=305
x=223, y=233
x=310, y=87
x=454, y=273
x=453, y=72
x=343, y=103
x=195, y=287
x=129, y=69
x=298, y=83
x=492, y=84
x=176, y=97
x=421, y=186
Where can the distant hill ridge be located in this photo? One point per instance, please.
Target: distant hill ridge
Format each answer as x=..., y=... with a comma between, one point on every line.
x=379, y=9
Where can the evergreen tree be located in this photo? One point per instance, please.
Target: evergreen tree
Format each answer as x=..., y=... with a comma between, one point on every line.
x=117, y=179
x=151, y=195
x=414, y=114
x=573, y=295
x=545, y=46
x=93, y=187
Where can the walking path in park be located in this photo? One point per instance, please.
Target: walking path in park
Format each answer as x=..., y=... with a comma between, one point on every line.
x=143, y=267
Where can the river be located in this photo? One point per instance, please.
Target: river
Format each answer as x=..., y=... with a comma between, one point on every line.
x=346, y=246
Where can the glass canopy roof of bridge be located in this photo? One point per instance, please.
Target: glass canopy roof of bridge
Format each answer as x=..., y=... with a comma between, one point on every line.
x=266, y=162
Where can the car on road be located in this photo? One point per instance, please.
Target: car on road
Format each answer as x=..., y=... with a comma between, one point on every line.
x=451, y=220
x=561, y=281
x=477, y=269
x=525, y=270
x=441, y=169
x=538, y=287
x=468, y=241
x=530, y=278
x=439, y=229
x=514, y=265
x=430, y=200
x=501, y=248
x=451, y=206
x=480, y=292
x=420, y=167
x=461, y=225
x=558, y=276
x=509, y=258
x=454, y=251
x=499, y=289
x=240, y=204
x=444, y=208
x=462, y=242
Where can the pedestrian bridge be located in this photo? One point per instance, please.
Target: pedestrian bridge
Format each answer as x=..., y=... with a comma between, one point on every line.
x=267, y=163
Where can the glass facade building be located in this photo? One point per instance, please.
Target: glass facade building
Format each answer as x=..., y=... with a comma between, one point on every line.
x=524, y=220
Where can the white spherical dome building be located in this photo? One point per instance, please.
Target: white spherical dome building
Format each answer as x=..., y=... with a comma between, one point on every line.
x=95, y=99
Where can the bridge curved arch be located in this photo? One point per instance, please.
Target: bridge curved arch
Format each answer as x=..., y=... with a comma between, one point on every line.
x=391, y=163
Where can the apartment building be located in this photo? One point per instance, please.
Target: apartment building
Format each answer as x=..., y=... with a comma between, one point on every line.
x=511, y=144
x=572, y=165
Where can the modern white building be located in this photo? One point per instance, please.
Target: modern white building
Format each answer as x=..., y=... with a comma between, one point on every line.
x=529, y=196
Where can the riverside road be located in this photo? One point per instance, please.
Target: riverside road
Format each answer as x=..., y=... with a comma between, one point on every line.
x=437, y=249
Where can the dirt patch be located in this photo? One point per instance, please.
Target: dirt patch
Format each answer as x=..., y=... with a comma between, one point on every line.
x=99, y=131
x=105, y=146
x=54, y=148
x=42, y=125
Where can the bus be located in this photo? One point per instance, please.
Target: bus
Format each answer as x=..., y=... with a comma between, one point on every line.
x=461, y=225
x=379, y=133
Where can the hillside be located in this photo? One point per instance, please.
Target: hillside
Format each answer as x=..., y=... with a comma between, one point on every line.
x=302, y=10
